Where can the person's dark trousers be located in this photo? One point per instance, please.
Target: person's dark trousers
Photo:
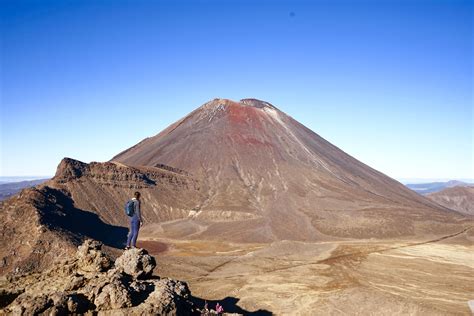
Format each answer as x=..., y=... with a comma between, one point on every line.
x=133, y=234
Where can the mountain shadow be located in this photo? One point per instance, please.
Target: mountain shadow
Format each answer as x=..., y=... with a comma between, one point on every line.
x=230, y=306
x=59, y=213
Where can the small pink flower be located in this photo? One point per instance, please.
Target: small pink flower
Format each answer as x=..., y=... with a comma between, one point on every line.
x=219, y=308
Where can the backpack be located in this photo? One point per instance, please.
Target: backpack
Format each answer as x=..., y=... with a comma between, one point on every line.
x=130, y=208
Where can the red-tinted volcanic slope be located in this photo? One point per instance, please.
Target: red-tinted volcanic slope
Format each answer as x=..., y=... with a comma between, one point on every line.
x=236, y=171
x=268, y=177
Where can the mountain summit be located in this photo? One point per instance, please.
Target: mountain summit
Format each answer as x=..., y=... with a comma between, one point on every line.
x=229, y=171
x=267, y=177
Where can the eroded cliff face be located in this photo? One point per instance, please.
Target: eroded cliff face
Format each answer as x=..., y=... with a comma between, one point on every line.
x=87, y=201
x=229, y=171
x=167, y=193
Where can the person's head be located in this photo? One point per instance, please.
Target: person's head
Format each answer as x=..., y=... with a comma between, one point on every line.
x=137, y=195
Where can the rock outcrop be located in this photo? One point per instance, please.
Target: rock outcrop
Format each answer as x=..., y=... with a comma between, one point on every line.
x=91, y=283
x=86, y=201
x=240, y=172
x=137, y=263
x=91, y=258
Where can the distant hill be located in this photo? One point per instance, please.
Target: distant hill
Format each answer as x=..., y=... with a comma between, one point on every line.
x=432, y=187
x=11, y=179
x=242, y=172
x=460, y=198
x=11, y=188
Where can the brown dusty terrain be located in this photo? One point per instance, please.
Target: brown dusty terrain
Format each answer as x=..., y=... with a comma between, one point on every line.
x=354, y=277
x=256, y=175
x=245, y=203
x=458, y=198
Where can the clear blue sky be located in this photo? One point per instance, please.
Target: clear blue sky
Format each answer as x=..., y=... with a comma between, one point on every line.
x=389, y=82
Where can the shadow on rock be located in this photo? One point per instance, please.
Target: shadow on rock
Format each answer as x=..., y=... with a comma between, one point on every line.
x=229, y=304
x=59, y=212
x=91, y=282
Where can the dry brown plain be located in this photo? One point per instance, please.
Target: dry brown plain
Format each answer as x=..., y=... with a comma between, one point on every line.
x=433, y=276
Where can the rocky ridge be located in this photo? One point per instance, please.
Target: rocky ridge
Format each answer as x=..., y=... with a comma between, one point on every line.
x=83, y=201
x=239, y=172
x=91, y=282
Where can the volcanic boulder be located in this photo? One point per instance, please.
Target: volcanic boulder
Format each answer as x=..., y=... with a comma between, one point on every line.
x=137, y=263
x=229, y=171
x=88, y=283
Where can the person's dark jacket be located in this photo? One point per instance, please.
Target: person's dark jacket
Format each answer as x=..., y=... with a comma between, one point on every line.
x=137, y=215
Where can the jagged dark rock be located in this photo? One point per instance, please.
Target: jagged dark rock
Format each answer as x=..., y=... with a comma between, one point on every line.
x=91, y=282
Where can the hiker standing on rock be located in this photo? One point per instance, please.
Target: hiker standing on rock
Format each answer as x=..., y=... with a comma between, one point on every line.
x=132, y=208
